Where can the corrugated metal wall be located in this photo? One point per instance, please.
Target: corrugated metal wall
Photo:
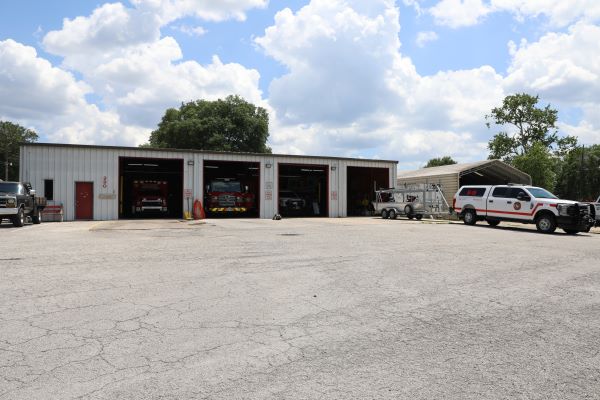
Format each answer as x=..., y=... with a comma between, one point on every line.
x=69, y=164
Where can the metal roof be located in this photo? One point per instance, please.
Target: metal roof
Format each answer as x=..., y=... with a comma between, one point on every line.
x=491, y=167
x=86, y=146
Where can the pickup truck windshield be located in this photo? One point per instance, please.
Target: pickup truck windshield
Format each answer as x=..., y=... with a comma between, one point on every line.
x=8, y=187
x=540, y=193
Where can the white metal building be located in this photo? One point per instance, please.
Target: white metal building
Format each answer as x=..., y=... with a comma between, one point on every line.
x=100, y=177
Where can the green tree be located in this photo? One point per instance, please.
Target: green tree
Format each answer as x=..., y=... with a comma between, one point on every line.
x=528, y=125
x=579, y=177
x=540, y=164
x=232, y=124
x=438, y=162
x=11, y=135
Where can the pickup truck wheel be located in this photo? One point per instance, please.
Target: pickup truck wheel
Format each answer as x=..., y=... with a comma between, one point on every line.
x=19, y=219
x=393, y=214
x=470, y=217
x=570, y=231
x=419, y=217
x=408, y=210
x=37, y=219
x=493, y=222
x=384, y=214
x=545, y=223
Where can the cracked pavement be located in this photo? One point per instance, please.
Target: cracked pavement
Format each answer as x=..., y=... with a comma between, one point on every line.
x=297, y=309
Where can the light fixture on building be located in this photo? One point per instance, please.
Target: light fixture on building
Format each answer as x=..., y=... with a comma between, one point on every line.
x=268, y=165
x=190, y=162
x=333, y=167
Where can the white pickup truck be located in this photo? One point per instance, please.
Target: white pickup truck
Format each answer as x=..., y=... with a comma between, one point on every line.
x=521, y=203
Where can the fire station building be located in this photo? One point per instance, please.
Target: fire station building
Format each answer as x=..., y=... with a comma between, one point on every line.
x=108, y=182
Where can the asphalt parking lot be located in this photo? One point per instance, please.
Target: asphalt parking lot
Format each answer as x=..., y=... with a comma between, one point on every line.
x=356, y=308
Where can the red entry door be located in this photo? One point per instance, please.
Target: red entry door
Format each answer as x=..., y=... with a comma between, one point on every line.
x=84, y=200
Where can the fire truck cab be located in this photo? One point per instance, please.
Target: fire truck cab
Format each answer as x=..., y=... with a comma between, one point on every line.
x=228, y=196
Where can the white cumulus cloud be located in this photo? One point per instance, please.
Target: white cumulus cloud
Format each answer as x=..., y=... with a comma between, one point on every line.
x=459, y=13
x=136, y=72
x=425, y=37
x=559, y=13
x=53, y=102
x=350, y=91
x=209, y=10
x=561, y=67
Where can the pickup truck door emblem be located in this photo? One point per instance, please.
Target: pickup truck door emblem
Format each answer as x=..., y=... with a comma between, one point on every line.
x=517, y=205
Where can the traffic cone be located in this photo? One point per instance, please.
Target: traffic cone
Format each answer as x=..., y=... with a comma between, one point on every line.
x=199, y=210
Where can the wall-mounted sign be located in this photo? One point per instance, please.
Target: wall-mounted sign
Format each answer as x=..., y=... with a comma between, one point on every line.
x=334, y=195
x=268, y=195
x=187, y=193
x=107, y=196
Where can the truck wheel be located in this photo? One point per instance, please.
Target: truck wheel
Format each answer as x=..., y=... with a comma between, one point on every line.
x=393, y=214
x=470, y=217
x=19, y=219
x=419, y=217
x=37, y=219
x=384, y=214
x=570, y=231
x=408, y=211
x=493, y=222
x=545, y=223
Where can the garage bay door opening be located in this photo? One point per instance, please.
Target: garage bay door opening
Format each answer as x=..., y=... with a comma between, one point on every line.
x=303, y=190
x=361, y=185
x=231, y=189
x=150, y=188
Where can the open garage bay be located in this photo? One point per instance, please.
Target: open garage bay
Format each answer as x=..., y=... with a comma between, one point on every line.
x=150, y=187
x=297, y=309
x=303, y=190
x=232, y=189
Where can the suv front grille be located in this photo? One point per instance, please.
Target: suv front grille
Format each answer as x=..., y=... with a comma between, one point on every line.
x=584, y=209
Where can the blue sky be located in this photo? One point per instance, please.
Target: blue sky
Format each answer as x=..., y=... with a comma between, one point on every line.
x=407, y=80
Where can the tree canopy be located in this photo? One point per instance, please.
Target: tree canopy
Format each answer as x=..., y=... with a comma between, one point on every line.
x=579, y=177
x=438, y=162
x=539, y=164
x=11, y=135
x=528, y=125
x=232, y=124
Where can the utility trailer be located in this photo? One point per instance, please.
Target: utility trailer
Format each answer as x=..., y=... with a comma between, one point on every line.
x=412, y=201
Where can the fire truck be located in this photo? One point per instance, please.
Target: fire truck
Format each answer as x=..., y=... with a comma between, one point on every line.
x=150, y=197
x=228, y=196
